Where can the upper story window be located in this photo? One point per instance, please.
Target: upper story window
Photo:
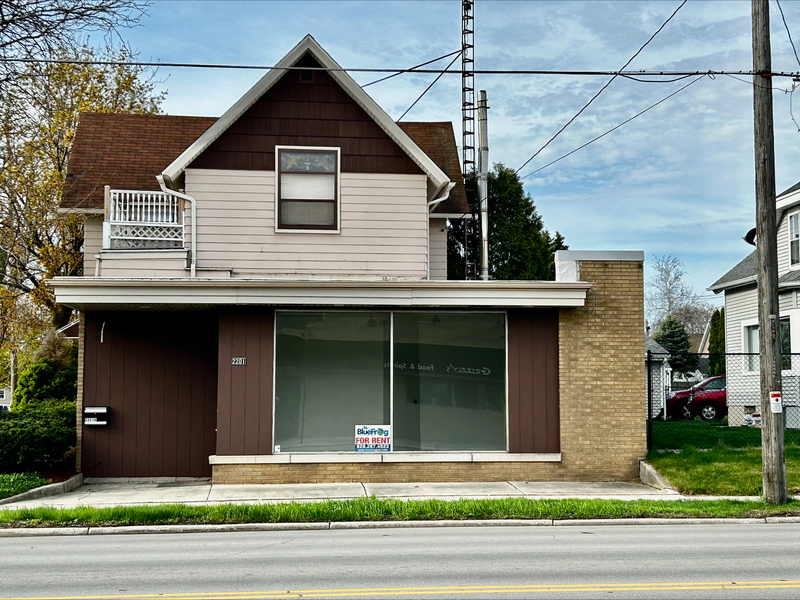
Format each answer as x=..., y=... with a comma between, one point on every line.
x=794, y=239
x=308, y=189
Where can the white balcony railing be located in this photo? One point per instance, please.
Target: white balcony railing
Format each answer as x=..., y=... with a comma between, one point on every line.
x=138, y=220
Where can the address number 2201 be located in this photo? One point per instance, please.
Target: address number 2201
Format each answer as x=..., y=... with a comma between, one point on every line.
x=238, y=360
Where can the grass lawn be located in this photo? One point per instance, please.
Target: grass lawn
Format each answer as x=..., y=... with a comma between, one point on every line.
x=721, y=470
x=701, y=434
x=374, y=509
x=16, y=483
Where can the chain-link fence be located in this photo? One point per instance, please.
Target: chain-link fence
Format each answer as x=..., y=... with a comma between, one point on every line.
x=719, y=388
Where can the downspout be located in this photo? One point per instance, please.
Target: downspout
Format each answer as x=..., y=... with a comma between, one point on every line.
x=483, y=176
x=447, y=186
x=193, y=202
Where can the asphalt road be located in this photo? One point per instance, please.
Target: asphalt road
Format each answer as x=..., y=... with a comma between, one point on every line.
x=628, y=561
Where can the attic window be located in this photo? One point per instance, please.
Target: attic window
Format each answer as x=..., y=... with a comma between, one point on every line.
x=308, y=189
x=306, y=76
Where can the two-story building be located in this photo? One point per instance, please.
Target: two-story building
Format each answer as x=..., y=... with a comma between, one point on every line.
x=265, y=299
x=741, y=319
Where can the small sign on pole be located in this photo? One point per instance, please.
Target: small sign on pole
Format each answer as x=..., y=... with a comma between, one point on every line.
x=373, y=438
x=775, y=402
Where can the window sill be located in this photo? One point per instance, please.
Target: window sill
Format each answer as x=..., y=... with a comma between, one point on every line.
x=323, y=231
x=382, y=457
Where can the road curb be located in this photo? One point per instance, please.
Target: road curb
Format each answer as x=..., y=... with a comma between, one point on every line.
x=353, y=525
x=51, y=489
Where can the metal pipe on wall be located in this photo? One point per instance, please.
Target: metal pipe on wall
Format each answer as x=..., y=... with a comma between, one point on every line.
x=483, y=182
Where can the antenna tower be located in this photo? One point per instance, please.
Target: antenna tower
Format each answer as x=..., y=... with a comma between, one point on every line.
x=468, y=85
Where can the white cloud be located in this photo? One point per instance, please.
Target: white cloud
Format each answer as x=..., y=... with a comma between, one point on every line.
x=677, y=180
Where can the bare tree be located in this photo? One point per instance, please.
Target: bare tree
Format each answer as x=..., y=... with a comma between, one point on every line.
x=668, y=294
x=35, y=28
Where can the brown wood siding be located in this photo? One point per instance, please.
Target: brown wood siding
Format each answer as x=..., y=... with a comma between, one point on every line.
x=533, y=411
x=244, y=415
x=158, y=373
x=306, y=114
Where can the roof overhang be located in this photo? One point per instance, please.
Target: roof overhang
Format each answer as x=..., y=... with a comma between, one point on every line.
x=437, y=180
x=785, y=202
x=732, y=284
x=101, y=293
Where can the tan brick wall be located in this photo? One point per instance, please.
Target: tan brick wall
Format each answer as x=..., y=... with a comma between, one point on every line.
x=602, y=407
x=79, y=412
x=601, y=369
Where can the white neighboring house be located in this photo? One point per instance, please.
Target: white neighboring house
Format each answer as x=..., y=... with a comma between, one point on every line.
x=5, y=399
x=741, y=318
x=658, y=372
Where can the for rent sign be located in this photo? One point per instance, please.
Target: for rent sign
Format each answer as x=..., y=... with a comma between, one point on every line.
x=373, y=438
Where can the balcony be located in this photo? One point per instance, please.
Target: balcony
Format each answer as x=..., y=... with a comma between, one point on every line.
x=136, y=220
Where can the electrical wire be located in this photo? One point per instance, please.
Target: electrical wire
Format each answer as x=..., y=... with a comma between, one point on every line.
x=763, y=87
x=679, y=90
x=631, y=77
x=600, y=91
x=788, y=32
x=411, y=69
x=631, y=74
x=455, y=58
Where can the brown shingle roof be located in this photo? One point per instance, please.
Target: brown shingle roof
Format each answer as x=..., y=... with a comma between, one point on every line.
x=438, y=141
x=125, y=152
x=128, y=151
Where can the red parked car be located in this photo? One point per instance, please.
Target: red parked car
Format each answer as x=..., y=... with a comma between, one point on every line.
x=707, y=399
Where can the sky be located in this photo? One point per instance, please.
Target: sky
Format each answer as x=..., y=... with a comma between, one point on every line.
x=678, y=180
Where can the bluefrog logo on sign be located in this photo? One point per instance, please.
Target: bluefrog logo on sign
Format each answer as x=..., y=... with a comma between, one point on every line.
x=373, y=438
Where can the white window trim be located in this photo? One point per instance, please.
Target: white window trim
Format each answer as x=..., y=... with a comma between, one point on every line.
x=338, y=151
x=794, y=332
x=789, y=236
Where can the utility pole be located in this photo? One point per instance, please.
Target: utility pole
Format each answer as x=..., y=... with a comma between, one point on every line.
x=772, y=421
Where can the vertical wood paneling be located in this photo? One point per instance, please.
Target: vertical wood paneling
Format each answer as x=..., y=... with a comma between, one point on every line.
x=157, y=413
x=224, y=382
x=533, y=381
x=306, y=114
x=158, y=373
x=248, y=413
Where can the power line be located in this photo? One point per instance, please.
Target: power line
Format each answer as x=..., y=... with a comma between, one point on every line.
x=608, y=83
x=455, y=58
x=614, y=128
x=627, y=74
x=411, y=69
x=788, y=32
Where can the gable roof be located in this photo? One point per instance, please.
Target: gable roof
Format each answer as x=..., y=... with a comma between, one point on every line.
x=744, y=273
x=128, y=151
x=123, y=151
x=437, y=179
x=438, y=141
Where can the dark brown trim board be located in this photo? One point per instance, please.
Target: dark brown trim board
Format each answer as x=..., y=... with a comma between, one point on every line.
x=158, y=374
x=244, y=415
x=533, y=403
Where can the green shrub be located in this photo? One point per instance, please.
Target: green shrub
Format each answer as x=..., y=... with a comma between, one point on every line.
x=37, y=436
x=16, y=483
x=45, y=380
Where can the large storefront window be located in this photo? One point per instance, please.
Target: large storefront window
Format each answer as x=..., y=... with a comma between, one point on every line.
x=333, y=372
x=449, y=381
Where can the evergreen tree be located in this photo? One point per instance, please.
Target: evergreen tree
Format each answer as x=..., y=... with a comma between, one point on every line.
x=673, y=337
x=716, y=343
x=519, y=245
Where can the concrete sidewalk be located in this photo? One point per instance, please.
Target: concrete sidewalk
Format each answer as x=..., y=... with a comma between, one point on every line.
x=128, y=493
